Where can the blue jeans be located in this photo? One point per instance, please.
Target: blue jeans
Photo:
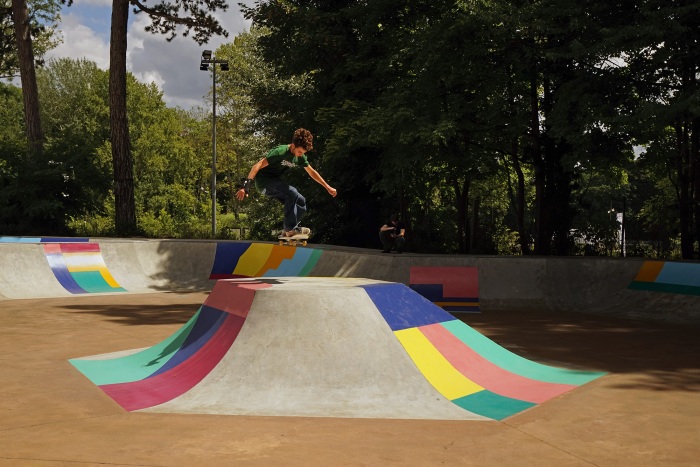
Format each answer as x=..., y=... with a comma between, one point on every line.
x=294, y=203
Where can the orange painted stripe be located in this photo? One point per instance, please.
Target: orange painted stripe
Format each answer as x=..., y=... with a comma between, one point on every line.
x=649, y=271
x=279, y=253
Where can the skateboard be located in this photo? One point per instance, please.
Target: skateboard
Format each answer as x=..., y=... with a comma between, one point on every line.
x=294, y=240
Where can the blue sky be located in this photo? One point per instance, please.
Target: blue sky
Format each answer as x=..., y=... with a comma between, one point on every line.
x=172, y=66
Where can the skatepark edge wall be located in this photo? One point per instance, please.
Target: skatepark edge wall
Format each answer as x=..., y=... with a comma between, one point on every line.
x=557, y=284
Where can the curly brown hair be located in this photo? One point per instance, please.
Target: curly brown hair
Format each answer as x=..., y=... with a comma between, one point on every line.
x=303, y=139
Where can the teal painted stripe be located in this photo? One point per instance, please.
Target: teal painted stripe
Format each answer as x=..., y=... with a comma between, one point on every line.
x=93, y=282
x=666, y=288
x=137, y=366
x=509, y=361
x=311, y=262
x=491, y=405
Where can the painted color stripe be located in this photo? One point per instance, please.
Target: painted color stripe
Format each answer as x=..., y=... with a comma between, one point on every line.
x=680, y=274
x=234, y=296
x=209, y=321
x=437, y=370
x=293, y=266
x=93, y=282
x=167, y=386
x=649, y=271
x=109, y=279
x=403, y=308
x=58, y=266
x=492, y=405
x=253, y=259
x=666, y=288
x=226, y=258
x=486, y=374
x=311, y=262
x=457, y=281
x=136, y=366
x=513, y=363
x=79, y=247
x=277, y=255
x=79, y=262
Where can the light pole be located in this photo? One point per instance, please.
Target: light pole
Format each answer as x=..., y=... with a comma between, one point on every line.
x=209, y=59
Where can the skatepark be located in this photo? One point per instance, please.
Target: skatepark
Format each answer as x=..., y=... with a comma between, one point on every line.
x=156, y=352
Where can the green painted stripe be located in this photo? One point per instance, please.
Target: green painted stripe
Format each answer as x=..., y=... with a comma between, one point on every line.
x=313, y=259
x=667, y=288
x=492, y=405
x=137, y=366
x=93, y=282
x=514, y=363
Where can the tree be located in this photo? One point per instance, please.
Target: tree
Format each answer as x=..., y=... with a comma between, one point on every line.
x=193, y=15
x=25, y=54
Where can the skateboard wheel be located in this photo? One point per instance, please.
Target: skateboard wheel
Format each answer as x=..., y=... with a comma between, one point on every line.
x=303, y=243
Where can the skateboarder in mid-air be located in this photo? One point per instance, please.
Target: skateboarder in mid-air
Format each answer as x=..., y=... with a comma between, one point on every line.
x=267, y=173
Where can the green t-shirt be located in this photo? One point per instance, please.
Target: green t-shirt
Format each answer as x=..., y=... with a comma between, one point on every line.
x=279, y=160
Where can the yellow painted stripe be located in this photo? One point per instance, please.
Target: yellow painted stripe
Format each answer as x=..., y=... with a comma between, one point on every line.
x=255, y=257
x=107, y=276
x=437, y=370
x=457, y=303
x=81, y=262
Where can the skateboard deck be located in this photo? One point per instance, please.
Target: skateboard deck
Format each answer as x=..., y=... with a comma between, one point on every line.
x=294, y=240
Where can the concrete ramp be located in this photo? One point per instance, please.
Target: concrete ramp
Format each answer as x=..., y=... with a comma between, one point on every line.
x=327, y=347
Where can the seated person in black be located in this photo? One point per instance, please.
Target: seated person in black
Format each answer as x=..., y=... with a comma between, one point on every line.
x=393, y=235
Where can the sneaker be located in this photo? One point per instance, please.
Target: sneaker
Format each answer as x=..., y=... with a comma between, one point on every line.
x=303, y=230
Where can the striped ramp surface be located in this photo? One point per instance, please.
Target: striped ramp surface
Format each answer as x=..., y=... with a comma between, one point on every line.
x=327, y=347
x=669, y=277
x=80, y=268
x=234, y=260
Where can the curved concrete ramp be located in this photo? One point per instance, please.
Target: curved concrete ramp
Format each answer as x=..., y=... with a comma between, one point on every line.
x=327, y=347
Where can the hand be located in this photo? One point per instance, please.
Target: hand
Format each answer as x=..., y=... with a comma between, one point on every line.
x=241, y=194
x=332, y=191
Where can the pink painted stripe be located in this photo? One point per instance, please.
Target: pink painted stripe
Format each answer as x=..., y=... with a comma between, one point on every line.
x=486, y=374
x=180, y=379
x=233, y=296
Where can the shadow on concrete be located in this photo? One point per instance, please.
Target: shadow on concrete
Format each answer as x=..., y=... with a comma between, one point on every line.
x=664, y=355
x=132, y=313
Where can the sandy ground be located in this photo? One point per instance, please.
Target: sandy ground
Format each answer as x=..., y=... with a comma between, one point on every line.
x=645, y=412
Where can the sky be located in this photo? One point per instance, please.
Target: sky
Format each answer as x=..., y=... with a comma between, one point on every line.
x=172, y=66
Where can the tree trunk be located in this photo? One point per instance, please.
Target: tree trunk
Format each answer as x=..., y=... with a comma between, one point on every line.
x=542, y=239
x=684, y=200
x=695, y=158
x=520, y=204
x=462, y=195
x=125, y=205
x=30, y=90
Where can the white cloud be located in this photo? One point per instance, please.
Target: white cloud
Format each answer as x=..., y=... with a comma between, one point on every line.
x=172, y=66
x=79, y=41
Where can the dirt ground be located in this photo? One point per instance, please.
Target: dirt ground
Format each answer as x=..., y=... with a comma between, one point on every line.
x=646, y=411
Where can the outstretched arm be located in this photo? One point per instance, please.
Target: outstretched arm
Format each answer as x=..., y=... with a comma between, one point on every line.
x=241, y=194
x=317, y=176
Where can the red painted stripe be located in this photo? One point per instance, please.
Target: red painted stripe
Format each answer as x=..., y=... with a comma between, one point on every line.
x=234, y=297
x=486, y=374
x=175, y=382
x=80, y=247
x=458, y=281
x=52, y=248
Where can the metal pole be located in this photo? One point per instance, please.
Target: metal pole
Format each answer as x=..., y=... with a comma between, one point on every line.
x=213, y=160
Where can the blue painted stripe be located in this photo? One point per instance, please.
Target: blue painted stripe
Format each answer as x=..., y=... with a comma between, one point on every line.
x=227, y=256
x=402, y=308
x=291, y=267
x=680, y=274
x=208, y=322
x=58, y=265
